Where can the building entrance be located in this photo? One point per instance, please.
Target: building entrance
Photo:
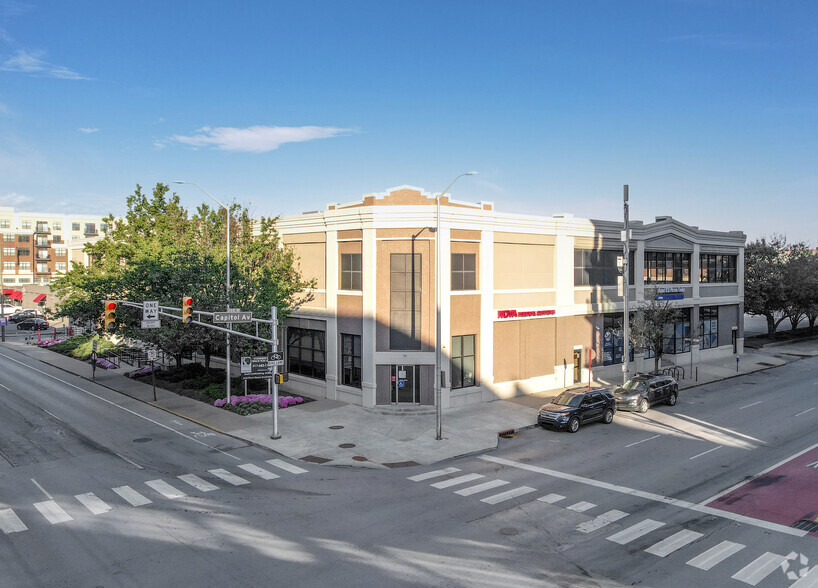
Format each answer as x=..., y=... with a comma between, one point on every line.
x=405, y=384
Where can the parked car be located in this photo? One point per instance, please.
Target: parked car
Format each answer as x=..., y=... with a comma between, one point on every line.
x=643, y=390
x=24, y=314
x=576, y=407
x=32, y=324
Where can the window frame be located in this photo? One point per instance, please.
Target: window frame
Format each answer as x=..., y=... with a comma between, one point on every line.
x=404, y=332
x=303, y=362
x=463, y=278
x=676, y=338
x=459, y=360
x=667, y=267
x=708, y=339
x=350, y=366
x=351, y=274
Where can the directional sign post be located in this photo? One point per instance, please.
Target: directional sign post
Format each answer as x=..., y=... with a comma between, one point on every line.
x=276, y=358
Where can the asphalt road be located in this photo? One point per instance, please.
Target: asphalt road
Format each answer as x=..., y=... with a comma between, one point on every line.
x=100, y=490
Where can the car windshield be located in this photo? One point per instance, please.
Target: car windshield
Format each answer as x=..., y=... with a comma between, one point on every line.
x=634, y=385
x=568, y=399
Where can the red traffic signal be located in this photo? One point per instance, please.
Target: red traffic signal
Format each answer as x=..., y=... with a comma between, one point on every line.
x=109, y=314
x=187, y=309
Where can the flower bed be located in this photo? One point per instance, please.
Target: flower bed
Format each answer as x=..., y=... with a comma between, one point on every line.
x=105, y=364
x=143, y=371
x=50, y=342
x=255, y=403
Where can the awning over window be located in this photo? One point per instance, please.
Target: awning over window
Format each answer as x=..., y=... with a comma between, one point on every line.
x=39, y=298
x=8, y=292
x=16, y=295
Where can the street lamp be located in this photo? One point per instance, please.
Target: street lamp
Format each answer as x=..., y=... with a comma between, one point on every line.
x=438, y=287
x=229, y=326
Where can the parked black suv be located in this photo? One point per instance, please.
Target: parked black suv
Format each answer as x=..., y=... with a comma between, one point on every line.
x=642, y=390
x=576, y=407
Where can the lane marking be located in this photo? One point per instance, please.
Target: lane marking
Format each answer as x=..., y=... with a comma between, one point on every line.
x=434, y=474
x=647, y=495
x=635, y=531
x=93, y=503
x=229, y=477
x=810, y=580
x=673, y=543
x=293, y=469
x=759, y=569
x=715, y=555
x=47, y=495
x=481, y=487
x=705, y=452
x=581, y=506
x=551, y=498
x=128, y=460
x=198, y=483
x=508, y=495
x=260, y=472
x=457, y=480
x=132, y=496
x=165, y=489
x=759, y=474
x=805, y=411
x=602, y=520
x=53, y=512
x=749, y=405
x=105, y=400
x=642, y=441
x=10, y=522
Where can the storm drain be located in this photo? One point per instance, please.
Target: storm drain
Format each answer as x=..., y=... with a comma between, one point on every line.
x=346, y=445
x=336, y=427
x=507, y=434
x=808, y=525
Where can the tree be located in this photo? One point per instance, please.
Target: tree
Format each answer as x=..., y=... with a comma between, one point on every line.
x=650, y=323
x=159, y=252
x=765, y=293
x=800, y=284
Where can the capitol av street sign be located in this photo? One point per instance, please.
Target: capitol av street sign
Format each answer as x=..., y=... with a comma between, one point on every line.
x=233, y=317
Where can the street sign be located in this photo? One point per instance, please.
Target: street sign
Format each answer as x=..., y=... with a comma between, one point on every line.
x=232, y=317
x=150, y=310
x=151, y=324
x=94, y=345
x=4, y=322
x=152, y=354
x=255, y=367
x=276, y=358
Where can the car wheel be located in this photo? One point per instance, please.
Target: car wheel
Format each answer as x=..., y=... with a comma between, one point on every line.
x=607, y=418
x=19, y=327
x=573, y=425
x=672, y=399
x=643, y=405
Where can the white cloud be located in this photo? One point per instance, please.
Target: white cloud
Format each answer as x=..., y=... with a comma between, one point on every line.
x=257, y=139
x=14, y=199
x=87, y=130
x=31, y=62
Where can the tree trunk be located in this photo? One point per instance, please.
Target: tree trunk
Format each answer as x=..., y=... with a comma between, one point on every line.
x=178, y=358
x=771, y=325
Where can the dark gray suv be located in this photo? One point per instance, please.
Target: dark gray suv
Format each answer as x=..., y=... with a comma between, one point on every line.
x=643, y=390
x=576, y=407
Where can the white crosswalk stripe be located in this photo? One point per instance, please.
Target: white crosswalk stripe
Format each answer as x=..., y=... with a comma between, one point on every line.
x=602, y=520
x=198, y=483
x=581, y=506
x=434, y=474
x=93, y=503
x=672, y=543
x=508, y=495
x=53, y=512
x=228, y=477
x=10, y=522
x=165, y=489
x=760, y=568
x=481, y=487
x=131, y=496
x=810, y=580
x=551, y=498
x=636, y=531
x=260, y=472
x=287, y=467
x=456, y=481
x=715, y=555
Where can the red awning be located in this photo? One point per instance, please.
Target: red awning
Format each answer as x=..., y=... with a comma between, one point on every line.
x=7, y=291
x=16, y=295
x=39, y=298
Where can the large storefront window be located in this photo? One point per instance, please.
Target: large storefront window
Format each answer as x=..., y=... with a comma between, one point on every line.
x=709, y=326
x=717, y=268
x=351, y=360
x=667, y=268
x=404, y=301
x=613, y=345
x=463, y=361
x=306, y=352
x=676, y=339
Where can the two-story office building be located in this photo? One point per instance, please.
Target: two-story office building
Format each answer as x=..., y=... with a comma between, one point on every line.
x=522, y=300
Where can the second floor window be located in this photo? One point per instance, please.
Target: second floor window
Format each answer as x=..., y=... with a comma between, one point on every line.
x=464, y=271
x=594, y=267
x=404, y=301
x=351, y=271
x=717, y=268
x=26, y=224
x=667, y=268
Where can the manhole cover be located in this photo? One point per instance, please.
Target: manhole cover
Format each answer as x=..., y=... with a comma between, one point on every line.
x=336, y=427
x=509, y=531
x=346, y=445
x=142, y=440
x=359, y=458
x=315, y=459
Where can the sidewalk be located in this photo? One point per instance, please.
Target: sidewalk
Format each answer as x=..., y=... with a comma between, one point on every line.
x=332, y=432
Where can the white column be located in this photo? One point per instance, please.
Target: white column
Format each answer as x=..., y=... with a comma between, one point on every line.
x=369, y=284
x=487, y=314
x=331, y=285
x=639, y=270
x=694, y=271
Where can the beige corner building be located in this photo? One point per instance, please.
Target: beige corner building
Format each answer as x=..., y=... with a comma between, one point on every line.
x=524, y=302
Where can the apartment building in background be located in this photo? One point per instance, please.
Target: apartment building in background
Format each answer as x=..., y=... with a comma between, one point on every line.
x=526, y=303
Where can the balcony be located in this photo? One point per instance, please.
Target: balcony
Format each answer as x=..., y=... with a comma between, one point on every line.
x=41, y=242
x=43, y=256
x=42, y=271
x=41, y=228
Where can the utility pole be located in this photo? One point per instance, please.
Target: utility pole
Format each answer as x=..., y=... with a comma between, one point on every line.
x=625, y=289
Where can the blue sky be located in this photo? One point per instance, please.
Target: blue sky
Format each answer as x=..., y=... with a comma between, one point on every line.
x=706, y=108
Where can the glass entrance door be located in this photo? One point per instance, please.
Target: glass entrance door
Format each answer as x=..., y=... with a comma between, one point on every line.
x=405, y=384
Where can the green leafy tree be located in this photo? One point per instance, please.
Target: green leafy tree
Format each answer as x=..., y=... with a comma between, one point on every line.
x=651, y=321
x=765, y=292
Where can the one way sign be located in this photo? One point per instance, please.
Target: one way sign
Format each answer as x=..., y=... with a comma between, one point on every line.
x=150, y=310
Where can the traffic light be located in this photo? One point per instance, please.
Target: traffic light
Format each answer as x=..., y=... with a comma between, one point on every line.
x=187, y=309
x=109, y=314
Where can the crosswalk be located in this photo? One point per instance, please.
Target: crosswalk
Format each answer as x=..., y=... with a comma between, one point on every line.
x=55, y=513
x=641, y=530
